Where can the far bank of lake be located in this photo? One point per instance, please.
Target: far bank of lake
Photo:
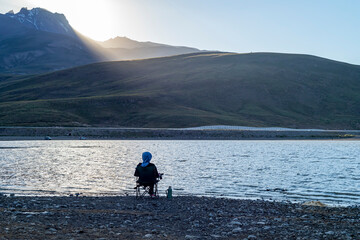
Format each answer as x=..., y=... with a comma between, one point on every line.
x=28, y=133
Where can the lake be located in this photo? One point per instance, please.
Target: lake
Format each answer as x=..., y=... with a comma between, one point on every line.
x=328, y=171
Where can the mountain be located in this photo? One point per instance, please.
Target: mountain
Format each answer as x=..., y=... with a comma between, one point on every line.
x=124, y=42
x=127, y=43
x=41, y=19
x=37, y=41
x=257, y=89
x=32, y=42
x=123, y=48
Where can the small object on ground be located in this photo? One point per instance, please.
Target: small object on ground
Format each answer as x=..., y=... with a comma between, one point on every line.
x=169, y=193
x=314, y=203
x=191, y=237
x=237, y=230
x=148, y=235
x=47, y=138
x=82, y=138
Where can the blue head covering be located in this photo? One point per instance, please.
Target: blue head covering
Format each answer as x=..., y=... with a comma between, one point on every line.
x=146, y=156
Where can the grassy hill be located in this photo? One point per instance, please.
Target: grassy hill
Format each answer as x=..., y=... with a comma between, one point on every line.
x=258, y=89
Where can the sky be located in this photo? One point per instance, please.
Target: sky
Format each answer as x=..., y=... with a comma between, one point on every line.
x=325, y=28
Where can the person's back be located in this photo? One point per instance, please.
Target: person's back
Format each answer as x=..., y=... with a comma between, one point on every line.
x=147, y=172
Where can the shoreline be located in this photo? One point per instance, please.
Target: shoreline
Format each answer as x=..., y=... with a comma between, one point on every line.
x=184, y=217
x=74, y=133
x=63, y=138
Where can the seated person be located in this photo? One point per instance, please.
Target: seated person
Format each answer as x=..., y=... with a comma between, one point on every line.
x=147, y=172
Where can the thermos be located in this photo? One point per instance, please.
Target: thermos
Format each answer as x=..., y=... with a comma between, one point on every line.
x=169, y=193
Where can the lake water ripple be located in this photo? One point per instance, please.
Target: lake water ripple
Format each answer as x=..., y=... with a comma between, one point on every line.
x=327, y=171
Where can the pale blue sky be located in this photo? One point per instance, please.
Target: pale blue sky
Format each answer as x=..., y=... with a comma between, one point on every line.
x=325, y=28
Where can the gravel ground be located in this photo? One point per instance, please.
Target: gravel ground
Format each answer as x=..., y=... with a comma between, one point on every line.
x=179, y=218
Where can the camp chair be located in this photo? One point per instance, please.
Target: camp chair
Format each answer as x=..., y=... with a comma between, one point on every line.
x=142, y=188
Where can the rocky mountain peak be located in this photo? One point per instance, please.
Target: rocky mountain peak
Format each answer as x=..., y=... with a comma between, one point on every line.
x=44, y=20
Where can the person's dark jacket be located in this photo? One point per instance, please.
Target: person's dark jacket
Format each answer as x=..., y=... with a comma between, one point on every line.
x=147, y=174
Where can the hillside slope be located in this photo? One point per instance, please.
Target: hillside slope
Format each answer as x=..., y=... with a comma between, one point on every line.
x=258, y=89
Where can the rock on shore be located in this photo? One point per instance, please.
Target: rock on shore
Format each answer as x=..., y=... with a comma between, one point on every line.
x=179, y=218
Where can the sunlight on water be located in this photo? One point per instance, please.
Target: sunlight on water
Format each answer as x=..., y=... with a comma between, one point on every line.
x=328, y=171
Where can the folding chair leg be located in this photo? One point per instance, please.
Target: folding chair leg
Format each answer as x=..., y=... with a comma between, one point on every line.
x=142, y=191
x=139, y=193
x=146, y=191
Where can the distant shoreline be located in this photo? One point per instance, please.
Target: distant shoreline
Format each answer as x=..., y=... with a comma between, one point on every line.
x=64, y=138
x=93, y=133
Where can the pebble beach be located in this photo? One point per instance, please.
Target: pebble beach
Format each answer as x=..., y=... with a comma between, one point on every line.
x=182, y=217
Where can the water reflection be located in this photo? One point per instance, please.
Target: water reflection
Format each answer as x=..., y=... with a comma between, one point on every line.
x=306, y=170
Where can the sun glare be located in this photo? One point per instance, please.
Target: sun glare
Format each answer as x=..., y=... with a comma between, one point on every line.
x=96, y=20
